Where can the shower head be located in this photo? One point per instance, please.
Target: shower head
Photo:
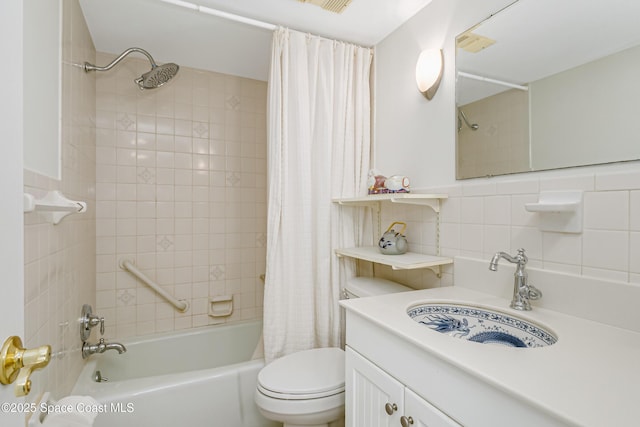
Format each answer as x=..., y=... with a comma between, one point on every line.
x=157, y=76
x=154, y=78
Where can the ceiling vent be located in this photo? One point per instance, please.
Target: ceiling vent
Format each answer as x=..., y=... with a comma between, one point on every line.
x=473, y=43
x=336, y=6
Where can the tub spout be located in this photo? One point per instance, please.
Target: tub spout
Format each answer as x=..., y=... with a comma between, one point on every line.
x=116, y=346
x=101, y=347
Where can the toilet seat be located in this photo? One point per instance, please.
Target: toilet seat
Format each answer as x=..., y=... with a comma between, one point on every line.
x=309, y=374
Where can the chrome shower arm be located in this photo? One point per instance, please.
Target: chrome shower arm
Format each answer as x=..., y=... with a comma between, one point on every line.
x=156, y=77
x=472, y=126
x=91, y=67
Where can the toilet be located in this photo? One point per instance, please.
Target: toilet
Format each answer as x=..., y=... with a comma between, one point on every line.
x=306, y=389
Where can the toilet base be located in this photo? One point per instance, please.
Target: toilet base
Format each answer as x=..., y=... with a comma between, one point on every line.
x=322, y=412
x=300, y=425
x=334, y=415
x=339, y=423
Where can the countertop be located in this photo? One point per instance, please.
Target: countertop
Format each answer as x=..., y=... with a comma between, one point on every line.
x=590, y=377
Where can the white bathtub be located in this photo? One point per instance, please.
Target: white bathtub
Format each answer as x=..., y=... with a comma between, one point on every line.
x=203, y=377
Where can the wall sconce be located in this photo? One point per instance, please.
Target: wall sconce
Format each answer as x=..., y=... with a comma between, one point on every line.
x=429, y=71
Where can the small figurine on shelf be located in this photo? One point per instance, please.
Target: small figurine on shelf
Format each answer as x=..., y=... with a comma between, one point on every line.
x=375, y=182
x=380, y=184
x=397, y=184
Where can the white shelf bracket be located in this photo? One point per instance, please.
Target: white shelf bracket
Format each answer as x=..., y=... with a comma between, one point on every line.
x=435, y=268
x=432, y=203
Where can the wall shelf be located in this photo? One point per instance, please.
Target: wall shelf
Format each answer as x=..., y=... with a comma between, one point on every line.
x=431, y=200
x=407, y=261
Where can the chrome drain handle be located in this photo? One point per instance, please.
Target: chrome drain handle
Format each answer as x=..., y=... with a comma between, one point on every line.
x=99, y=378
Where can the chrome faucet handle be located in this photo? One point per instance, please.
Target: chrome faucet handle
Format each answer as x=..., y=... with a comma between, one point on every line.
x=94, y=321
x=522, y=255
x=89, y=320
x=533, y=292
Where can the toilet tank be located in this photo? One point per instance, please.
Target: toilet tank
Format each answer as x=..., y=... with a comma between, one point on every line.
x=359, y=287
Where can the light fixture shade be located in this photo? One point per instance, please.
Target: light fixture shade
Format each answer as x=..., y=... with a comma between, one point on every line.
x=429, y=71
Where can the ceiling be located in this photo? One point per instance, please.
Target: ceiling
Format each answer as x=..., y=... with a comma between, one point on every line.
x=190, y=38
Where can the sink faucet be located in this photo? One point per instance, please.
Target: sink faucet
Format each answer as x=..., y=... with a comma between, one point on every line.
x=522, y=290
x=101, y=347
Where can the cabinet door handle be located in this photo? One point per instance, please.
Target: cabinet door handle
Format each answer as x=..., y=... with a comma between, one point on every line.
x=390, y=408
x=406, y=421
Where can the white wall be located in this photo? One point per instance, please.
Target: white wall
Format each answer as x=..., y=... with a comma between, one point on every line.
x=416, y=137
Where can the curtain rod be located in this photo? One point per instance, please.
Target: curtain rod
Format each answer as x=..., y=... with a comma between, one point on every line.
x=488, y=80
x=221, y=14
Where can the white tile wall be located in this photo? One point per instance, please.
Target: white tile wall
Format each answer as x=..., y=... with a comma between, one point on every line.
x=480, y=218
x=60, y=259
x=181, y=189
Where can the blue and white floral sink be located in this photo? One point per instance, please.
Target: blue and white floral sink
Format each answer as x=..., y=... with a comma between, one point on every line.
x=481, y=325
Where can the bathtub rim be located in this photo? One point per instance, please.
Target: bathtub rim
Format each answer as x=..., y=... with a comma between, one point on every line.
x=200, y=330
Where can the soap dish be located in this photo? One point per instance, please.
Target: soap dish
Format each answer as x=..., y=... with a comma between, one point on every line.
x=221, y=306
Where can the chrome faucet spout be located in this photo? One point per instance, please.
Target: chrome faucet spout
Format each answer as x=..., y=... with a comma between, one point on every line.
x=520, y=259
x=522, y=290
x=101, y=347
x=115, y=346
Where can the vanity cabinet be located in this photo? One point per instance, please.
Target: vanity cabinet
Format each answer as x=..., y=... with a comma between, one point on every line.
x=375, y=398
x=385, y=347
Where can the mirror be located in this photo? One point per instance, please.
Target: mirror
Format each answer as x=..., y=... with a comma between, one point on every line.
x=42, y=83
x=547, y=84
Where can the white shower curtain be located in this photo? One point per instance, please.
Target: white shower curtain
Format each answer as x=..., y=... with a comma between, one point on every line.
x=318, y=149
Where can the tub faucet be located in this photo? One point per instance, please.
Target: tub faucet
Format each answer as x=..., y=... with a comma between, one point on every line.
x=522, y=290
x=101, y=347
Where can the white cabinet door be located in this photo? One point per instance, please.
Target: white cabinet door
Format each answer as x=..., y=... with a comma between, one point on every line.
x=373, y=397
x=420, y=413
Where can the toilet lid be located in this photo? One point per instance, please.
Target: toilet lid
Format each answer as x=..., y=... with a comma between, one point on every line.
x=303, y=375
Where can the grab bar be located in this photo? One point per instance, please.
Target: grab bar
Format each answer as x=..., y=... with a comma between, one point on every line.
x=127, y=265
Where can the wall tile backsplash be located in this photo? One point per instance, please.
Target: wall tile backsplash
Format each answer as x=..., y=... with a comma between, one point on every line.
x=60, y=259
x=481, y=218
x=181, y=190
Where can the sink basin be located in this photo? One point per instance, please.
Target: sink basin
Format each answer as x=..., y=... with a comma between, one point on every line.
x=481, y=325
